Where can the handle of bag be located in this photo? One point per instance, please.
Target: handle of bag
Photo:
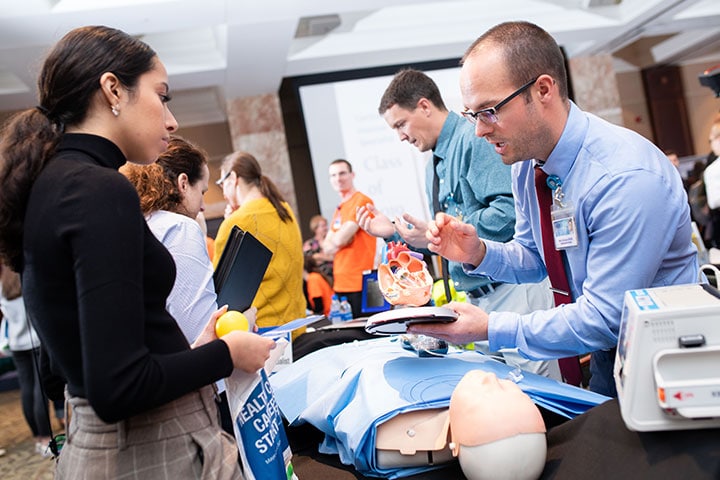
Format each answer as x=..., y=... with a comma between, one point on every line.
x=715, y=272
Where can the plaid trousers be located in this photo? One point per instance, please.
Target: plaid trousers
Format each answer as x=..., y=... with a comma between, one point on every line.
x=179, y=440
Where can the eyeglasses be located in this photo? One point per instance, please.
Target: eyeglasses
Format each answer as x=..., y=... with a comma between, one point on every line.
x=489, y=115
x=223, y=178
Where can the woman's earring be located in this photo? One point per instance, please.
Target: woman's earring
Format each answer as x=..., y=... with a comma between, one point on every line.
x=115, y=110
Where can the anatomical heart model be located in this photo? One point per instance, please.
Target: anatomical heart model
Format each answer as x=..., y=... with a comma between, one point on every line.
x=404, y=279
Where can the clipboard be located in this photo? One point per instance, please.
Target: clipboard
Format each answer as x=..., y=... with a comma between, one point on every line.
x=240, y=270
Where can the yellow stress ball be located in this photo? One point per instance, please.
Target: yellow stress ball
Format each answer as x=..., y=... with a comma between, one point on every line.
x=229, y=321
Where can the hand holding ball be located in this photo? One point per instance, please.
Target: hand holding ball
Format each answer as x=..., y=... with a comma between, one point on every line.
x=229, y=321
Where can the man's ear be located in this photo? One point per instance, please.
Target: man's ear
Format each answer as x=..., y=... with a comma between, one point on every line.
x=111, y=88
x=547, y=87
x=424, y=105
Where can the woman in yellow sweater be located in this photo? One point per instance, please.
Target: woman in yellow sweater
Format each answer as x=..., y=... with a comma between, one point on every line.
x=259, y=208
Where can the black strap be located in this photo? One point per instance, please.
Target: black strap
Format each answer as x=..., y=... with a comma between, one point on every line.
x=36, y=355
x=436, y=209
x=40, y=361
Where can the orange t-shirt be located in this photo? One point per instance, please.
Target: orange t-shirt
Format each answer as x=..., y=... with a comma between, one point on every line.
x=317, y=286
x=357, y=256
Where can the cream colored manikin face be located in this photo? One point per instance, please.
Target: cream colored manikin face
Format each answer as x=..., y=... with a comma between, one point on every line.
x=496, y=429
x=500, y=406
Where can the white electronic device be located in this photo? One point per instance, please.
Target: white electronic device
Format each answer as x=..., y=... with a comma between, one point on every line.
x=667, y=368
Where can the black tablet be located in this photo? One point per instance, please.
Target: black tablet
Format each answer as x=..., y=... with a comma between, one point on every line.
x=396, y=321
x=240, y=270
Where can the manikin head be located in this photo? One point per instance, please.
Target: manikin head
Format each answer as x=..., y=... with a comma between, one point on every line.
x=497, y=431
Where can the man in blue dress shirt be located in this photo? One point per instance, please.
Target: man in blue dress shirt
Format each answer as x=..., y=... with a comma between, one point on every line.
x=472, y=185
x=628, y=204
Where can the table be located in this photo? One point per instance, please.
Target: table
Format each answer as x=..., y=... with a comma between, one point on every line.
x=594, y=445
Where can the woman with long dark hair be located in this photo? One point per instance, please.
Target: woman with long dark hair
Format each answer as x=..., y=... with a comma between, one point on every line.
x=95, y=278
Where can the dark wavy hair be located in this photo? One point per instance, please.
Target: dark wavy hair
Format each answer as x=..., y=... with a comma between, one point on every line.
x=247, y=167
x=157, y=184
x=69, y=80
x=406, y=89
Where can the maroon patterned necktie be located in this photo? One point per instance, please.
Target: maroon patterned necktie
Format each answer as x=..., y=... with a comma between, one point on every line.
x=569, y=367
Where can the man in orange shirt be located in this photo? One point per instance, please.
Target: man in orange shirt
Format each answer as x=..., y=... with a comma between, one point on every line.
x=353, y=247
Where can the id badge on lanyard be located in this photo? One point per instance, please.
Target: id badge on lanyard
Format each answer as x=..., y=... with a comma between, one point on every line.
x=563, y=217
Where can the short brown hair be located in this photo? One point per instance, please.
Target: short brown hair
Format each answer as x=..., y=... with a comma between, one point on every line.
x=528, y=50
x=342, y=160
x=406, y=89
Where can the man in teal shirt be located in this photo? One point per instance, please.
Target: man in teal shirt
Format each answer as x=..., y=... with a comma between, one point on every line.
x=472, y=185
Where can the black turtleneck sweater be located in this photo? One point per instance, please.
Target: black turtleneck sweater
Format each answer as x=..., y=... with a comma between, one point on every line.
x=95, y=282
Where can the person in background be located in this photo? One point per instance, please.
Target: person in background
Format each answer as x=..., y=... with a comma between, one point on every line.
x=711, y=181
x=472, y=184
x=25, y=346
x=353, y=247
x=318, y=290
x=515, y=89
x=259, y=208
x=313, y=246
x=673, y=157
x=171, y=198
x=96, y=279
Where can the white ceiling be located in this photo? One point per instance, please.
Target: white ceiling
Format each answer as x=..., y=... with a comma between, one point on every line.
x=222, y=49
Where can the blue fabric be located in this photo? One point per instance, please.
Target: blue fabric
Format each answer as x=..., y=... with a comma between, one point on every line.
x=475, y=185
x=633, y=224
x=347, y=390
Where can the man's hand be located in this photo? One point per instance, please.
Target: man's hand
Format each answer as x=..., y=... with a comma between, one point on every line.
x=412, y=230
x=455, y=240
x=373, y=221
x=470, y=326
